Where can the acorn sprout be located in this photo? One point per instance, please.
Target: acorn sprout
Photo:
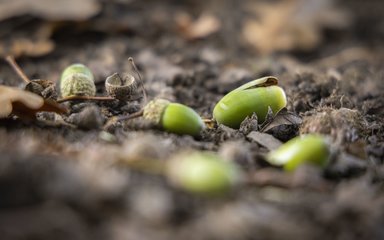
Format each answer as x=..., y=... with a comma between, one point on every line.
x=307, y=149
x=253, y=97
x=77, y=80
x=173, y=117
x=202, y=173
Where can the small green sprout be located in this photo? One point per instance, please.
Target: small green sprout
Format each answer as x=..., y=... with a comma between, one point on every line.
x=253, y=97
x=312, y=149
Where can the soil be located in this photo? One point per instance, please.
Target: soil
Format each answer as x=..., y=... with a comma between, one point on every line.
x=72, y=180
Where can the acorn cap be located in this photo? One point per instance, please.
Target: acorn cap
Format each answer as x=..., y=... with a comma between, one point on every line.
x=42, y=87
x=34, y=87
x=122, y=88
x=154, y=110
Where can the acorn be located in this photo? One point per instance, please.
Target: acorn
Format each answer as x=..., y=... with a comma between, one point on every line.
x=173, y=117
x=42, y=87
x=122, y=88
x=307, y=149
x=202, y=173
x=77, y=80
x=256, y=97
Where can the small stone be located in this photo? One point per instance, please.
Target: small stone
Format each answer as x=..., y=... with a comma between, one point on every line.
x=89, y=118
x=265, y=140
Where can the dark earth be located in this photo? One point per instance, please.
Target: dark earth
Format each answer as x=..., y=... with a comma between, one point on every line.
x=72, y=178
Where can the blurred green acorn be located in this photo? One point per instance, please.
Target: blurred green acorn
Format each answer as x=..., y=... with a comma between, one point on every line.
x=307, y=149
x=202, y=173
x=173, y=117
x=253, y=97
x=77, y=80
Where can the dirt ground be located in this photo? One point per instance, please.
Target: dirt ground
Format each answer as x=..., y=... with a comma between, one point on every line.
x=71, y=179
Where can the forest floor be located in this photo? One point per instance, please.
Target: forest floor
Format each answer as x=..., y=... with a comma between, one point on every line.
x=72, y=180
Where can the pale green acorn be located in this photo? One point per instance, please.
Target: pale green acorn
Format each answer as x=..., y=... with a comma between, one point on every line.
x=77, y=80
x=173, y=117
x=202, y=173
x=307, y=149
x=253, y=97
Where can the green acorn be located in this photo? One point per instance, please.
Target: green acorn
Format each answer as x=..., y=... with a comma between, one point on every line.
x=173, y=117
x=77, y=80
x=202, y=173
x=253, y=97
x=312, y=149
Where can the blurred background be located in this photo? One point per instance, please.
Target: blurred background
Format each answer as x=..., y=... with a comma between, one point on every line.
x=307, y=28
x=169, y=37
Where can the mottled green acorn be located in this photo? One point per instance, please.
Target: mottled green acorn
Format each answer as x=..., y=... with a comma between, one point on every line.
x=202, y=173
x=307, y=149
x=77, y=80
x=173, y=117
x=253, y=97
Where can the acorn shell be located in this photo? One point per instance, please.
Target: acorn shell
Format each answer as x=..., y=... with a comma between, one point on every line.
x=77, y=80
x=122, y=88
x=253, y=97
x=312, y=149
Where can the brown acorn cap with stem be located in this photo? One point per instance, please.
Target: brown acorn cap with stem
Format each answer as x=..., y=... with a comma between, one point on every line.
x=122, y=88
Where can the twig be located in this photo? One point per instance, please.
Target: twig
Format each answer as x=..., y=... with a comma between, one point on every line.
x=74, y=98
x=11, y=61
x=116, y=119
x=131, y=116
x=130, y=59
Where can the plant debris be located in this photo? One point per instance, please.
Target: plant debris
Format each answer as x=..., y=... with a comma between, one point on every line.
x=25, y=104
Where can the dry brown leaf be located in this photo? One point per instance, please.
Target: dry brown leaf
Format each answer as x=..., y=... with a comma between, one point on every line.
x=25, y=104
x=50, y=9
x=264, y=139
x=202, y=27
x=291, y=24
x=282, y=118
x=27, y=47
x=32, y=40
